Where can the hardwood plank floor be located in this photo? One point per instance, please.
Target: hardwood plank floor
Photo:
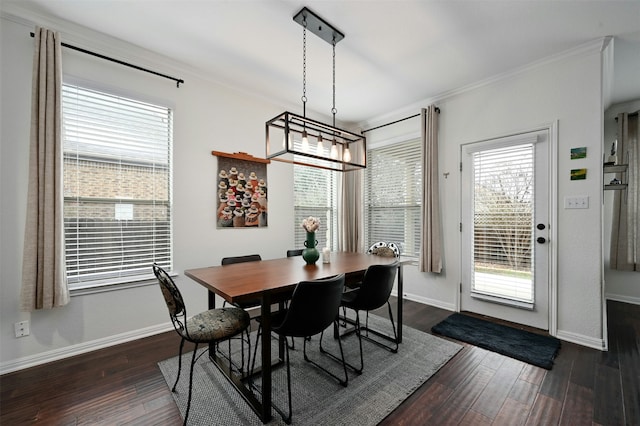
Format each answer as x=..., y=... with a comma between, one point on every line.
x=123, y=385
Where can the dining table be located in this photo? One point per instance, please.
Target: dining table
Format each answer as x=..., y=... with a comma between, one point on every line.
x=270, y=282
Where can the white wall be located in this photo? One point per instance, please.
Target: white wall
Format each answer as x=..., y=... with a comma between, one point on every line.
x=207, y=117
x=623, y=286
x=212, y=117
x=567, y=90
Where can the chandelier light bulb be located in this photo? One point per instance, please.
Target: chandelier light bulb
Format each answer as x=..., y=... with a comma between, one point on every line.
x=334, y=150
x=347, y=155
x=319, y=147
x=305, y=141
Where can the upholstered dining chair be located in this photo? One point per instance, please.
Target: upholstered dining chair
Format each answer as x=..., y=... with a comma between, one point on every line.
x=382, y=248
x=372, y=294
x=313, y=307
x=212, y=326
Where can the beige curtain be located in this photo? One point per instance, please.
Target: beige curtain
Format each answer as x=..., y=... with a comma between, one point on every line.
x=625, y=247
x=43, y=273
x=431, y=237
x=350, y=223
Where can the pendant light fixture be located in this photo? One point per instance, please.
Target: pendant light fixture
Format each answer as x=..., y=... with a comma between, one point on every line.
x=289, y=135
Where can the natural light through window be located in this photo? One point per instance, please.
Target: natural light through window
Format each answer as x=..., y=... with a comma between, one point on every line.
x=117, y=187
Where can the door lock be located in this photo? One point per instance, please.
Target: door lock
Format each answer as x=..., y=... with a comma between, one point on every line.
x=541, y=240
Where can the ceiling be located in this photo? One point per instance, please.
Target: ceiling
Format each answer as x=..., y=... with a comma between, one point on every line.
x=394, y=54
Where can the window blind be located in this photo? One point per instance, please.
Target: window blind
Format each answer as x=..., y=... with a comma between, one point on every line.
x=503, y=216
x=393, y=196
x=315, y=194
x=117, y=186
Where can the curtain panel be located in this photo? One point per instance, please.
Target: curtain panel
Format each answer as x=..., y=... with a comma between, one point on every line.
x=625, y=247
x=431, y=235
x=44, y=283
x=351, y=214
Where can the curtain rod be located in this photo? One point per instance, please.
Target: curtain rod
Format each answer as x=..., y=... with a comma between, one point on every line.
x=630, y=114
x=394, y=122
x=117, y=61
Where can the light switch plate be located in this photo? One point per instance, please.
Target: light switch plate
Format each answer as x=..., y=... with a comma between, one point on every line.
x=576, y=202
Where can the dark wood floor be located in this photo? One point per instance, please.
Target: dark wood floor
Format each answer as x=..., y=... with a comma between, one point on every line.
x=123, y=385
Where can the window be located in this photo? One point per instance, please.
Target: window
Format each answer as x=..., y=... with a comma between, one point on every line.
x=315, y=194
x=117, y=187
x=393, y=196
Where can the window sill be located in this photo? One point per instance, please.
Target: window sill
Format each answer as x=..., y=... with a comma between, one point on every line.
x=114, y=284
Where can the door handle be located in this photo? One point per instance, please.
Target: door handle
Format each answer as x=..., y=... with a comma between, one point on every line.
x=540, y=226
x=541, y=240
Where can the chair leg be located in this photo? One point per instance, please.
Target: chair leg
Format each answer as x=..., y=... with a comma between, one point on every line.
x=193, y=361
x=287, y=420
x=339, y=337
x=173, y=389
x=255, y=354
x=341, y=360
x=391, y=348
x=359, y=334
x=248, y=349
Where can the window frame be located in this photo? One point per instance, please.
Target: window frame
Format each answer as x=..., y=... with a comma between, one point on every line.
x=119, y=280
x=411, y=207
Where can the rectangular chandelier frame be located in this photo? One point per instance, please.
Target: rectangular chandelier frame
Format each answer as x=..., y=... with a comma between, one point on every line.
x=328, y=147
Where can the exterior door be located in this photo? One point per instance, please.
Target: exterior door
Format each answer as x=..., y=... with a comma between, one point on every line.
x=505, y=228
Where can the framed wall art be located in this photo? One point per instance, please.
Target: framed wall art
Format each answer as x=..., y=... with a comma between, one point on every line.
x=242, y=191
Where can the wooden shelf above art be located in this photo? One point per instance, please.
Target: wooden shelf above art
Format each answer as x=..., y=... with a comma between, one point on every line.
x=240, y=156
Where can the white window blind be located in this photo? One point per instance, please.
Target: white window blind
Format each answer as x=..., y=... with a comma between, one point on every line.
x=393, y=196
x=315, y=194
x=503, y=220
x=117, y=186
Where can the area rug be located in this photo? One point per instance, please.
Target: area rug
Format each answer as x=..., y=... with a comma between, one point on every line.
x=387, y=380
x=522, y=345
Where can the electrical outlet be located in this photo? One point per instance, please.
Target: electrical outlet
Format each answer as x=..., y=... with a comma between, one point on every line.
x=576, y=202
x=22, y=328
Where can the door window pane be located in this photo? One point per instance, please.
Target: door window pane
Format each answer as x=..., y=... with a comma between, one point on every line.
x=503, y=222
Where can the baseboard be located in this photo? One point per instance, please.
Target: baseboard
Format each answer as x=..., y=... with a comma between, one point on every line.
x=623, y=298
x=579, y=339
x=427, y=301
x=81, y=348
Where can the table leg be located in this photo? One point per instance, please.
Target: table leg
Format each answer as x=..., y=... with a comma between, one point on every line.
x=211, y=297
x=265, y=313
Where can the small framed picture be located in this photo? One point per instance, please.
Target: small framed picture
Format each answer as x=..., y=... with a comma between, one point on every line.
x=578, y=174
x=577, y=153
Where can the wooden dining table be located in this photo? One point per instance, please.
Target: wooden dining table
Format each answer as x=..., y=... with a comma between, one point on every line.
x=270, y=282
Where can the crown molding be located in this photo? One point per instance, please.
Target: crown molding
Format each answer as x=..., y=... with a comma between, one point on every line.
x=589, y=48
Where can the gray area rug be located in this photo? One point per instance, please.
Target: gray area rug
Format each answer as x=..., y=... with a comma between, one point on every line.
x=318, y=399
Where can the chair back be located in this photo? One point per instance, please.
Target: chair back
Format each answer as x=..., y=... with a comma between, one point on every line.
x=240, y=259
x=294, y=252
x=376, y=287
x=384, y=249
x=313, y=307
x=173, y=299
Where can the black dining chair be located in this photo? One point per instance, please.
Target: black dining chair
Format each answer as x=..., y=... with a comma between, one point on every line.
x=212, y=326
x=294, y=252
x=373, y=293
x=313, y=307
x=242, y=259
x=249, y=304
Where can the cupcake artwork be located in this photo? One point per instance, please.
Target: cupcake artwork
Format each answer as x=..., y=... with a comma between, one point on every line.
x=241, y=191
